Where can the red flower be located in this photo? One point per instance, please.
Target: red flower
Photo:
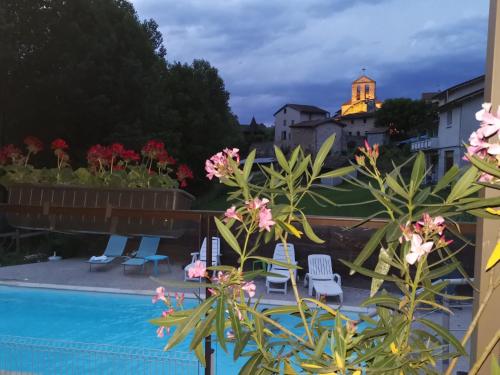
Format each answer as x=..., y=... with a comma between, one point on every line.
x=33, y=144
x=183, y=173
x=165, y=159
x=117, y=149
x=59, y=144
x=130, y=156
x=12, y=152
x=153, y=148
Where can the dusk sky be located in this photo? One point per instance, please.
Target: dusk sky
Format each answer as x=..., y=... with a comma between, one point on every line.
x=272, y=52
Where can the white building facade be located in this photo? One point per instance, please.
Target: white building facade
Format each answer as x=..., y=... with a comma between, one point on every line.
x=291, y=114
x=457, y=107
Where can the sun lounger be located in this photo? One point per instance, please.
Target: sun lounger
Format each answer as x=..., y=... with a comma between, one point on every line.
x=114, y=249
x=321, y=278
x=279, y=254
x=147, y=247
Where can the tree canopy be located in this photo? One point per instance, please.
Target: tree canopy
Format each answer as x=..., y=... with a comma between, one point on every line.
x=92, y=72
x=406, y=117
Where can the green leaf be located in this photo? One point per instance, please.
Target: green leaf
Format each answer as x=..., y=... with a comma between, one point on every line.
x=276, y=262
x=445, y=334
x=422, y=196
x=252, y=365
x=320, y=345
x=445, y=181
x=235, y=323
x=442, y=271
x=228, y=236
x=240, y=345
x=281, y=159
x=368, y=272
x=370, y=246
x=382, y=300
x=248, y=165
x=199, y=351
x=294, y=157
x=220, y=320
x=485, y=166
x=484, y=202
x=383, y=268
x=310, y=232
x=202, y=330
x=417, y=173
x=322, y=154
x=393, y=184
x=182, y=331
x=288, y=310
x=458, y=190
x=338, y=172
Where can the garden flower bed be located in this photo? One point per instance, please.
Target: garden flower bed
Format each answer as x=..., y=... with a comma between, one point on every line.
x=115, y=178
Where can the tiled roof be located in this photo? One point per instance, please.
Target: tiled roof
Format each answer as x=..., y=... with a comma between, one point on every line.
x=314, y=123
x=303, y=108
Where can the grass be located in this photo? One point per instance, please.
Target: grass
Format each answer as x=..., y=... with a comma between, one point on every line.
x=216, y=199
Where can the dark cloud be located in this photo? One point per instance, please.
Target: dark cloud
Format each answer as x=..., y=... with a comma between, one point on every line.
x=271, y=52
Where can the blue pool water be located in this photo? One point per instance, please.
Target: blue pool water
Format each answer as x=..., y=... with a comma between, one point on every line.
x=90, y=319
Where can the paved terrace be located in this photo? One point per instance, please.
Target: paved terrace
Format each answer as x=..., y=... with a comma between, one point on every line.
x=74, y=274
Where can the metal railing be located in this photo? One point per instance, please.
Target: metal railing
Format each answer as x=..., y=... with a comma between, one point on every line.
x=29, y=355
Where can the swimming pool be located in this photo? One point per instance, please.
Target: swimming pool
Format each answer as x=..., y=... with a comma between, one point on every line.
x=91, y=333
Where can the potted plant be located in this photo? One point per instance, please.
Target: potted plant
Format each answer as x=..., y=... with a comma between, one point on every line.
x=114, y=177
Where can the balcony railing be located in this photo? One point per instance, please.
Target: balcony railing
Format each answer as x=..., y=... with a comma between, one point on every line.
x=425, y=144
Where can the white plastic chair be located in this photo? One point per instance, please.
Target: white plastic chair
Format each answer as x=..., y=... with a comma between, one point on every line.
x=202, y=256
x=321, y=277
x=280, y=255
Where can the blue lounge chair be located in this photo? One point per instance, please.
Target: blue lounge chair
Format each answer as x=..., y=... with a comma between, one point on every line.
x=114, y=249
x=147, y=247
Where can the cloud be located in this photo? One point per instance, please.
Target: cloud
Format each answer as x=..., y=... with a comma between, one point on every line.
x=270, y=52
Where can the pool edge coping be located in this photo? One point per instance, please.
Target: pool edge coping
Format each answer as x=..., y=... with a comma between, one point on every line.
x=79, y=288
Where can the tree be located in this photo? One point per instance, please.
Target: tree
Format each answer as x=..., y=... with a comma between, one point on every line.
x=79, y=69
x=405, y=117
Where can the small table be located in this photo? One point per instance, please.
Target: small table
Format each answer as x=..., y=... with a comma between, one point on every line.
x=157, y=258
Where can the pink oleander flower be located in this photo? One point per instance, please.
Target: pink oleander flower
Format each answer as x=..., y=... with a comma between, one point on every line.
x=249, y=287
x=160, y=295
x=231, y=213
x=406, y=232
x=442, y=242
x=432, y=224
x=179, y=298
x=160, y=330
x=197, y=270
x=256, y=203
x=218, y=165
x=418, y=249
x=265, y=219
x=233, y=153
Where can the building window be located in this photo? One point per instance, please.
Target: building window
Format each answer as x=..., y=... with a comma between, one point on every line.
x=310, y=116
x=367, y=91
x=358, y=134
x=283, y=135
x=350, y=133
x=352, y=122
x=448, y=160
x=289, y=135
x=364, y=120
x=293, y=122
x=284, y=122
x=284, y=111
x=358, y=92
x=449, y=118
